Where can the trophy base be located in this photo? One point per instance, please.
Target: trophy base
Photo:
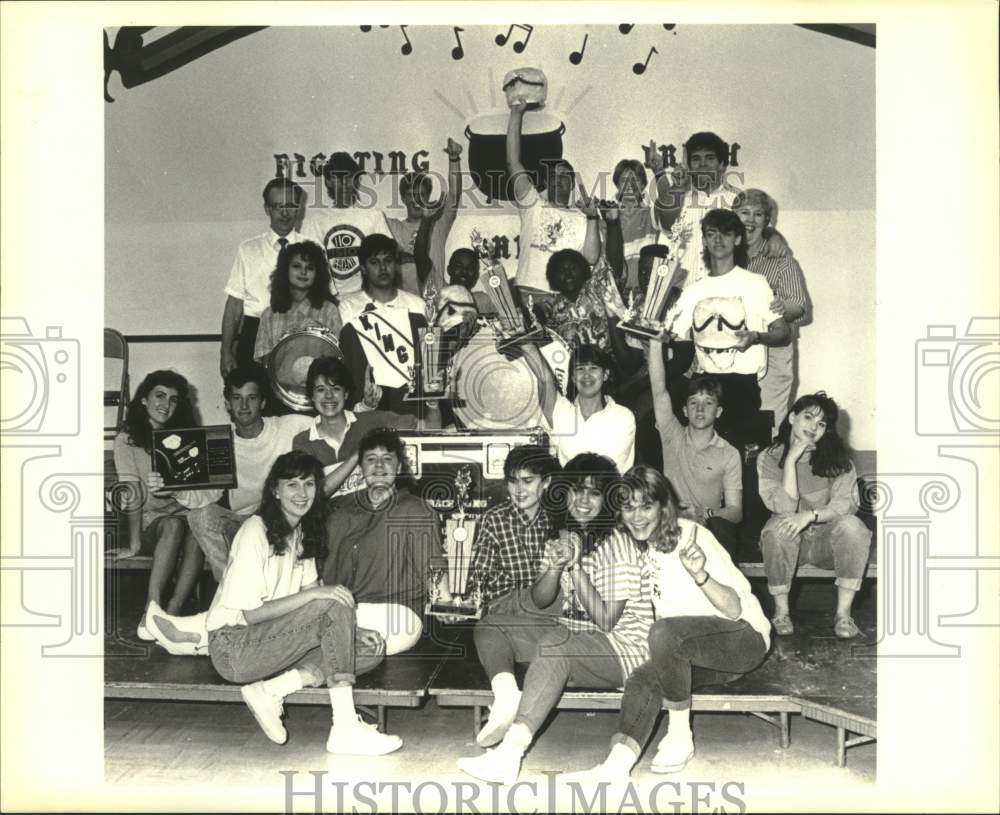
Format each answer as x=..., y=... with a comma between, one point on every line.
x=537, y=336
x=646, y=332
x=464, y=611
x=425, y=395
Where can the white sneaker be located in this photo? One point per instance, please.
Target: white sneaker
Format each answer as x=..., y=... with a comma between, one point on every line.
x=673, y=753
x=267, y=709
x=499, y=765
x=360, y=739
x=601, y=774
x=500, y=719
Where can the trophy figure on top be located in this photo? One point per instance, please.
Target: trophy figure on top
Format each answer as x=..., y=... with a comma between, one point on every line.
x=460, y=535
x=665, y=283
x=512, y=324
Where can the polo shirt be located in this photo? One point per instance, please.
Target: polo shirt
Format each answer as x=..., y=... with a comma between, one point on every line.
x=382, y=554
x=610, y=432
x=351, y=305
x=358, y=425
x=250, y=278
x=701, y=476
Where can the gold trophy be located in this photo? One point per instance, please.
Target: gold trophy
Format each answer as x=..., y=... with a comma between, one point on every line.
x=460, y=534
x=498, y=290
x=428, y=377
x=646, y=321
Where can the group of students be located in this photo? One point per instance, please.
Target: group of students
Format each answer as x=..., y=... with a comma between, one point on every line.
x=597, y=570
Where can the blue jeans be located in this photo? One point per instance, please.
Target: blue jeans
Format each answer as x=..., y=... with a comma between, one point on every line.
x=214, y=528
x=841, y=545
x=557, y=657
x=518, y=602
x=317, y=637
x=676, y=644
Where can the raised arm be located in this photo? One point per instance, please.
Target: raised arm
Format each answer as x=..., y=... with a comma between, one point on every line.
x=591, y=249
x=663, y=406
x=231, y=316
x=522, y=184
x=668, y=190
x=547, y=388
x=614, y=247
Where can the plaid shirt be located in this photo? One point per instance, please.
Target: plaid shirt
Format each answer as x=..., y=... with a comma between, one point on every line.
x=508, y=550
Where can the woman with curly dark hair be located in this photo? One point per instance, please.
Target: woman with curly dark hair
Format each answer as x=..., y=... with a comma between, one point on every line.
x=597, y=640
x=157, y=523
x=807, y=480
x=706, y=618
x=300, y=297
x=583, y=493
x=272, y=624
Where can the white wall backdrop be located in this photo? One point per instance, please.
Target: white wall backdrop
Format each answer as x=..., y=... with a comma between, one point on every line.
x=187, y=155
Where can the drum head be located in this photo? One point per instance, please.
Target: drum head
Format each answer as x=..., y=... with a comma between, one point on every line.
x=289, y=363
x=493, y=392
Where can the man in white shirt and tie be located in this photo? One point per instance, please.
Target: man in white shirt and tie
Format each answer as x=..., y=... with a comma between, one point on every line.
x=248, y=288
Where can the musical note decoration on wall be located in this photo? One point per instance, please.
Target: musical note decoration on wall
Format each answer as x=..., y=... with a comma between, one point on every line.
x=519, y=46
x=407, y=47
x=519, y=42
x=640, y=67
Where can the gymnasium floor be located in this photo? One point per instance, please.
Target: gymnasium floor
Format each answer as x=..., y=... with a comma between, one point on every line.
x=175, y=751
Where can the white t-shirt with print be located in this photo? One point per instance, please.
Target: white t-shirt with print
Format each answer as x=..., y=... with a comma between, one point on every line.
x=340, y=230
x=545, y=229
x=747, y=295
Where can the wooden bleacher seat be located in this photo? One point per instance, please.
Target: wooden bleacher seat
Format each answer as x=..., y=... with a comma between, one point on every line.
x=810, y=673
x=134, y=670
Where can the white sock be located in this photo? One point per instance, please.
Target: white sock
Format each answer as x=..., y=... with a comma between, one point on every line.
x=517, y=739
x=679, y=723
x=284, y=684
x=342, y=705
x=505, y=691
x=621, y=759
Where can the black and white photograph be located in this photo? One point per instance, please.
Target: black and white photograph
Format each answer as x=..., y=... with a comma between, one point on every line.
x=556, y=415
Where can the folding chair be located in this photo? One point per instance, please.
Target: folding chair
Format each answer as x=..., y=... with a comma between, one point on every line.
x=116, y=391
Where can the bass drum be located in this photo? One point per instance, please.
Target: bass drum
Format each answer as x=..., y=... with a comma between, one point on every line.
x=289, y=363
x=494, y=393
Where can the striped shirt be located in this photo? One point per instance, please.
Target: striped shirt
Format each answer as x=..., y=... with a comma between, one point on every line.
x=573, y=615
x=620, y=571
x=508, y=550
x=784, y=276
x=276, y=325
